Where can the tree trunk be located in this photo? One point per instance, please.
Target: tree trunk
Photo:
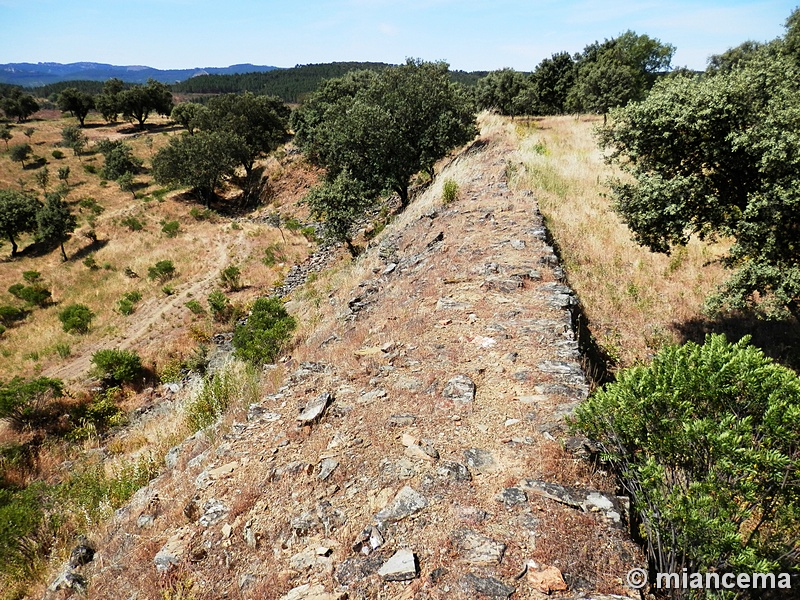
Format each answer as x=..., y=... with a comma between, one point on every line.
x=13, y=245
x=63, y=253
x=403, y=193
x=353, y=250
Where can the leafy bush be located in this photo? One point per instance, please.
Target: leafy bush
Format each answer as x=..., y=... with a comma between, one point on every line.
x=23, y=532
x=163, y=270
x=230, y=278
x=117, y=366
x=57, y=154
x=34, y=295
x=202, y=214
x=10, y=314
x=132, y=223
x=23, y=403
x=272, y=254
x=707, y=442
x=449, y=191
x=195, y=307
x=91, y=204
x=91, y=169
x=63, y=350
x=126, y=304
x=76, y=318
x=265, y=333
x=97, y=416
x=91, y=263
x=220, y=306
x=170, y=228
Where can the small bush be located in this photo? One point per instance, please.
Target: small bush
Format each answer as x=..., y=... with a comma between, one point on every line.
x=127, y=304
x=91, y=204
x=220, y=306
x=171, y=371
x=132, y=223
x=23, y=403
x=33, y=295
x=91, y=169
x=90, y=263
x=117, y=366
x=76, y=318
x=230, y=278
x=57, y=154
x=163, y=270
x=97, y=416
x=267, y=330
x=235, y=382
x=170, y=228
x=63, y=350
x=202, y=214
x=11, y=314
x=705, y=440
x=449, y=191
x=168, y=290
x=272, y=255
x=195, y=307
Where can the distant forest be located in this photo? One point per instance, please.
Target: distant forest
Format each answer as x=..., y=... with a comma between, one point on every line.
x=291, y=85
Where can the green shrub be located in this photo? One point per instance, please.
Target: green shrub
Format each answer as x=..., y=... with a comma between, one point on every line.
x=24, y=532
x=272, y=255
x=91, y=169
x=2, y=329
x=11, y=314
x=267, y=330
x=195, y=307
x=91, y=205
x=168, y=289
x=235, y=383
x=202, y=214
x=230, y=278
x=292, y=224
x=449, y=191
x=170, y=228
x=117, y=366
x=163, y=270
x=33, y=295
x=220, y=306
x=706, y=440
x=127, y=304
x=63, y=350
x=97, y=416
x=90, y=263
x=23, y=403
x=132, y=223
x=76, y=318
x=57, y=154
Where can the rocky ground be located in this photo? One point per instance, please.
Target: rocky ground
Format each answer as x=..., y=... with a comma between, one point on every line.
x=415, y=446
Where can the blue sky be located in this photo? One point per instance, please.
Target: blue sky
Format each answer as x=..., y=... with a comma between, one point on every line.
x=469, y=34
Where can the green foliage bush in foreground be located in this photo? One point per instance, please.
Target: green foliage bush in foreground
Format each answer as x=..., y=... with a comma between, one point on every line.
x=707, y=442
x=76, y=318
x=117, y=366
x=265, y=333
x=22, y=403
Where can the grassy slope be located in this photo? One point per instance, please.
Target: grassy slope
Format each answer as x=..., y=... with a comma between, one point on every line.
x=635, y=300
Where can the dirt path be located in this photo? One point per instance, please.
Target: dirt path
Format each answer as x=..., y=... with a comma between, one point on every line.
x=144, y=330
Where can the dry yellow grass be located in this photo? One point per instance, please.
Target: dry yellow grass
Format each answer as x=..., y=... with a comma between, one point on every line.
x=202, y=248
x=633, y=298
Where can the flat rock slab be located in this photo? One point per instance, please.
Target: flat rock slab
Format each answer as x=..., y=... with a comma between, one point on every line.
x=460, y=389
x=586, y=500
x=512, y=496
x=477, y=549
x=486, y=586
x=314, y=409
x=326, y=467
x=310, y=592
x=401, y=567
x=479, y=460
x=407, y=502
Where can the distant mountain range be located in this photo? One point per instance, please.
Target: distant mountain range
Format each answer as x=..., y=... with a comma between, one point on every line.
x=38, y=74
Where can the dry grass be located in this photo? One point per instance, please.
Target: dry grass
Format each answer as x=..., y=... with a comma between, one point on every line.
x=635, y=300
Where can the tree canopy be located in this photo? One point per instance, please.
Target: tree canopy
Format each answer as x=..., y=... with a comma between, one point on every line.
x=17, y=215
x=55, y=222
x=383, y=128
x=259, y=123
x=18, y=105
x=198, y=161
x=139, y=101
x=76, y=102
x=720, y=155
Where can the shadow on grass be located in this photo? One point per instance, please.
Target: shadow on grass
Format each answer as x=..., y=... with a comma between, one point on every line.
x=779, y=340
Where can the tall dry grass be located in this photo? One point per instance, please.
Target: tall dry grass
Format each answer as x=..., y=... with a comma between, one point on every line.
x=635, y=300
